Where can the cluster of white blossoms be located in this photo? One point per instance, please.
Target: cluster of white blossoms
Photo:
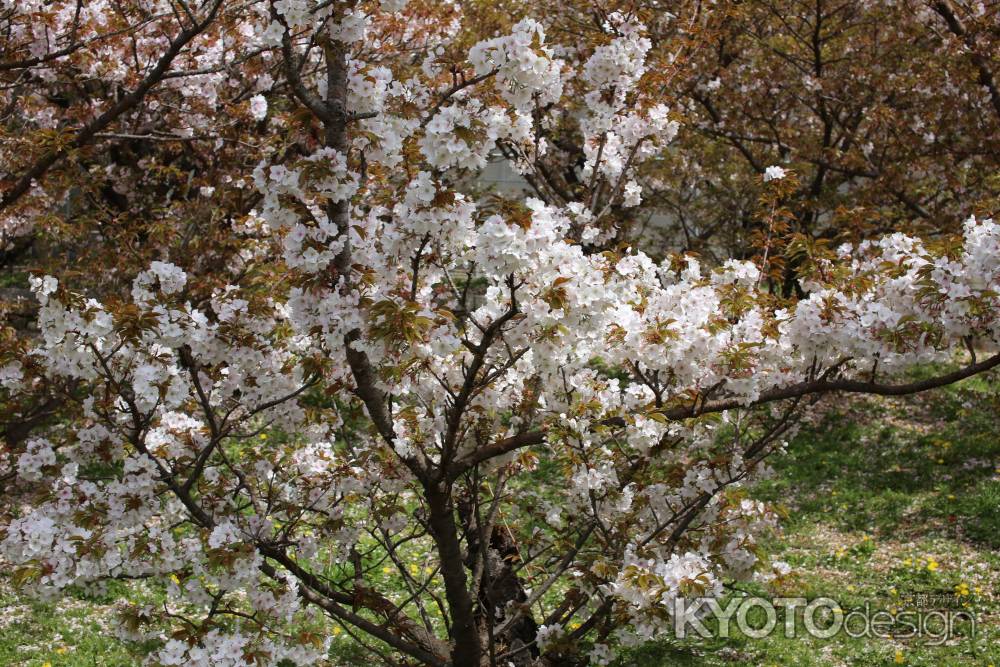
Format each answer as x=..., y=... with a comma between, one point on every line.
x=258, y=107
x=630, y=138
x=619, y=65
x=463, y=134
x=622, y=129
x=219, y=649
x=774, y=173
x=308, y=247
x=526, y=69
x=169, y=278
x=351, y=28
x=38, y=453
x=681, y=575
x=485, y=329
x=13, y=228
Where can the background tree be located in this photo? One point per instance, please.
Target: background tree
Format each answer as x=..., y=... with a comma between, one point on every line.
x=886, y=111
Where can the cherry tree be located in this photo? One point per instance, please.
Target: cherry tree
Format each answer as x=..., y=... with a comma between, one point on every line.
x=362, y=396
x=889, y=113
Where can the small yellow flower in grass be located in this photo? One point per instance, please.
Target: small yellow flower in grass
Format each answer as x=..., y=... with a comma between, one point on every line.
x=47, y=664
x=263, y=436
x=962, y=589
x=899, y=659
x=574, y=625
x=337, y=630
x=940, y=461
x=61, y=650
x=893, y=592
x=932, y=565
x=850, y=589
x=978, y=589
x=174, y=578
x=951, y=496
x=907, y=562
x=414, y=569
x=387, y=570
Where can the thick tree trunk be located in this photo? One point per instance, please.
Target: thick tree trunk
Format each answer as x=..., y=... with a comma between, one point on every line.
x=467, y=650
x=500, y=587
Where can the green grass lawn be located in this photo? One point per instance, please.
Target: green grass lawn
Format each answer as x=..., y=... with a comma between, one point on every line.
x=886, y=501
x=77, y=630
x=892, y=501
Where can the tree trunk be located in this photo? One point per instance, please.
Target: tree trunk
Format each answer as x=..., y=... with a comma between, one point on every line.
x=500, y=587
x=467, y=650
